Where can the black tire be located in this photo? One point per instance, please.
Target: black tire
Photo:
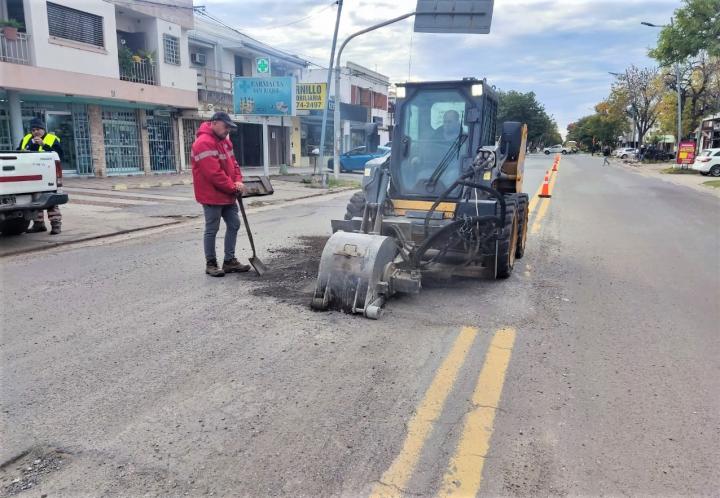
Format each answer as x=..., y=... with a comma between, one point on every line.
x=523, y=203
x=15, y=226
x=563, y=152
x=507, y=245
x=511, y=139
x=547, y=152
x=624, y=156
x=715, y=170
x=356, y=206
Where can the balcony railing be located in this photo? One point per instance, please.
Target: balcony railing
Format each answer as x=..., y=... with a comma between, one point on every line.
x=139, y=72
x=215, y=87
x=15, y=51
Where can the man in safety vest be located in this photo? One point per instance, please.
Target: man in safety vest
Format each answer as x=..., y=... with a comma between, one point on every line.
x=38, y=140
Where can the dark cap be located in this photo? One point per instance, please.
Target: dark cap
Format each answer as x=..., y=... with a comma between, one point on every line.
x=223, y=116
x=37, y=123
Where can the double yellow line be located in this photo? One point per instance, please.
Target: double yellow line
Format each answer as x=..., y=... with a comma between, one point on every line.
x=464, y=473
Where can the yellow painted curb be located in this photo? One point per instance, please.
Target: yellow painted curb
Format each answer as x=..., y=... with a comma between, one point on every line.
x=119, y=186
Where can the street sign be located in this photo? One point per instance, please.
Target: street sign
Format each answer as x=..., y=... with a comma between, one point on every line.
x=453, y=16
x=267, y=96
x=311, y=96
x=686, y=152
x=262, y=66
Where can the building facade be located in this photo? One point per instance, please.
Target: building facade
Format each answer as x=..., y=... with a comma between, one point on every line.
x=363, y=100
x=217, y=55
x=109, y=78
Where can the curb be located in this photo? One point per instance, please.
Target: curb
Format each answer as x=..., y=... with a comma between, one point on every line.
x=86, y=239
x=174, y=222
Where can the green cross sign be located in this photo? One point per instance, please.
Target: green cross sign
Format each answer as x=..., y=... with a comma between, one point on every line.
x=262, y=65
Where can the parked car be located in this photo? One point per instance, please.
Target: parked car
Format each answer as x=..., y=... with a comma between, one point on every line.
x=355, y=159
x=657, y=154
x=707, y=162
x=29, y=182
x=556, y=149
x=625, y=152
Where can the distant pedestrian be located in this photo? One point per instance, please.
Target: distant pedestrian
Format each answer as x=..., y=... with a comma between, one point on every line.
x=606, y=153
x=217, y=181
x=38, y=140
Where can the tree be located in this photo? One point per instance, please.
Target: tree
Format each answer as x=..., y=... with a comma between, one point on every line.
x=597, y=128
x=524, y=107
x=699, y=91
x=695, y=28
x=643, y=88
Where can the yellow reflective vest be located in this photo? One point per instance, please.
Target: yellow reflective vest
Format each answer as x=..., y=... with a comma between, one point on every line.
x=48, y=140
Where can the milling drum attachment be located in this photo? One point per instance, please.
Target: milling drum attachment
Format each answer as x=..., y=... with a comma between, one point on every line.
x=354, y=274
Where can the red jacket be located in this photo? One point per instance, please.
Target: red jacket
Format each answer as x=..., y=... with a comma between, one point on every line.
x=214, y=168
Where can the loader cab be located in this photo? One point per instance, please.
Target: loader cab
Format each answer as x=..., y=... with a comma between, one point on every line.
x=439, y=127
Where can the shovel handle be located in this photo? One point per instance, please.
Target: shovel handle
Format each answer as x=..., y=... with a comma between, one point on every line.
x=247, y=226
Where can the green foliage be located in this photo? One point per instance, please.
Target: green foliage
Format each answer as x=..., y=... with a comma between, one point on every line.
x=125, y=59
x=602, y=127
x=11, y=23
x=524, y=107
x=696, y=28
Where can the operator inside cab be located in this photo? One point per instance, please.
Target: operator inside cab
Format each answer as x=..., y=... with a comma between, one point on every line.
x=435, y=135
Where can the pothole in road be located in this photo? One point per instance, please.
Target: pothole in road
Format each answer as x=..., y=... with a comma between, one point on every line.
x=25, y=471
x=293, y=271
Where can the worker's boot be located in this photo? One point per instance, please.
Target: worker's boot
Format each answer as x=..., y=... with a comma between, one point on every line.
x=234, y=266
x=212, y=268
x=37, y=226
x=55, y=228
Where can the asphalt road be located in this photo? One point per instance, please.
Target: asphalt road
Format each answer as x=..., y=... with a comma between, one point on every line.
x=593, y=370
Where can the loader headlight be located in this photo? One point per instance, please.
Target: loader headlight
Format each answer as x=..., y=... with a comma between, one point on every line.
x=476, y=90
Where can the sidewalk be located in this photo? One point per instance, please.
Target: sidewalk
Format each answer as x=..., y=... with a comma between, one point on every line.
x=686, y=178
x=103, y=207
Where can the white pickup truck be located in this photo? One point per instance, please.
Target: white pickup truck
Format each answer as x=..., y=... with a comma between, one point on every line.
x=29, y=182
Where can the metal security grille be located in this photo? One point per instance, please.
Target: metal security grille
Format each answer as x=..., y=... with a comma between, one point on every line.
x=190, y=128
x=76, y=147
x=123, y=153
x=162, y=144
x=76, y=25
x=5, y=137
x=81, y=128
x=172, y=49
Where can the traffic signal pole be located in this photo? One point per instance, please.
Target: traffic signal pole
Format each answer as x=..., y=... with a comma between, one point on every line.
x=337, y=132
x=327, y=94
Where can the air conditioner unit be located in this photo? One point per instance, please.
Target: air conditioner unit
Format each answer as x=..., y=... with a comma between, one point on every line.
x=197, y=58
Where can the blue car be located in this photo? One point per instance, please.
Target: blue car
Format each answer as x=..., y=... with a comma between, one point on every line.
x=355, y=159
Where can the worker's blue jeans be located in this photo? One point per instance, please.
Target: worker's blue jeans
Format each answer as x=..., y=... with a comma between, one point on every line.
x=229, y=213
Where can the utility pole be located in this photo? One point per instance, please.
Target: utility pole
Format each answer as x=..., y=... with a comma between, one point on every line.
x=323, y=128
x=338, y=133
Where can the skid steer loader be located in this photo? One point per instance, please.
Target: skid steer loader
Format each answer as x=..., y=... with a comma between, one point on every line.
x=448, y=194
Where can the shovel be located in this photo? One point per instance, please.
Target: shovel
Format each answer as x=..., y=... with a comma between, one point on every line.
x=255, y=262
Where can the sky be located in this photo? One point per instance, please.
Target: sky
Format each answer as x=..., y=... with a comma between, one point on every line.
x=560, y=49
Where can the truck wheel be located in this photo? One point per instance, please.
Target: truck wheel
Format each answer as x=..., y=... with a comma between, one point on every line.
x=523, y=203
x=356, y=206
x=15, y=226
x=507, y=244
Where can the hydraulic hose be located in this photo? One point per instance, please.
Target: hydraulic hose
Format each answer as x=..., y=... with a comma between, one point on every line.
x=420, y=252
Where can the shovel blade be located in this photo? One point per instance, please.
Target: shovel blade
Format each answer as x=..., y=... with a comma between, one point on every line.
x=258, y=266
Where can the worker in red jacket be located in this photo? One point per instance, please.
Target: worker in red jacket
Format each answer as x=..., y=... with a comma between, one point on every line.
x=217, y=181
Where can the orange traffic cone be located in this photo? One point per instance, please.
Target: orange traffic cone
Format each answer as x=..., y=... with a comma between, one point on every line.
x=555, y=165
x=545, y=192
